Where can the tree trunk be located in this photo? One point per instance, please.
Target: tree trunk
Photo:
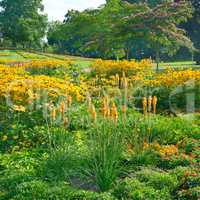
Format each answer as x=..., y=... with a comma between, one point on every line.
x=127, y=51
x=157, y=59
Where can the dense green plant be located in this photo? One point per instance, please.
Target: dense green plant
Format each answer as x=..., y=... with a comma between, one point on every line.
x=132, y=188
x=42, y=190
x=174, y=162
x=158, y=179
x=146, y=158
x=105, y=145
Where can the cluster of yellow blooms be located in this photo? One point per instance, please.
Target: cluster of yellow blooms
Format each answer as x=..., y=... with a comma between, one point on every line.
x=43, y=64
x=172, y=78
x=110, y=67
x=16, y=82
x=164, y=150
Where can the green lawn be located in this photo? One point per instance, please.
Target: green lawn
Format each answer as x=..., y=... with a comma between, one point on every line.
x=175, y=65
x=85, y=62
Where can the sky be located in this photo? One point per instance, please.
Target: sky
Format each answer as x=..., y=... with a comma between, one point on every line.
x=56, y=9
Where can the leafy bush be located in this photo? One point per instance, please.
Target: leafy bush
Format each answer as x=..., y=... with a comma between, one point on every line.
x=146, y=158
x=174, y=161
x=158, y=179
x=41, y=190
x=132, y=188
x=192, y=194
x=110, y=67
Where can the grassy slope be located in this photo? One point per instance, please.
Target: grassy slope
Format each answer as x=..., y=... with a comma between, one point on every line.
x=85, y=62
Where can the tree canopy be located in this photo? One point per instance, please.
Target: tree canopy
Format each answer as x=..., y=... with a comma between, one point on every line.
x=117, y=29
x=22, y=21
x=125, y=27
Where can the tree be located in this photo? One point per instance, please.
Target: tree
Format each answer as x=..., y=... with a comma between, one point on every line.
x=158, y=25
x=22, y=21
x=193, y=28
x=119, y=26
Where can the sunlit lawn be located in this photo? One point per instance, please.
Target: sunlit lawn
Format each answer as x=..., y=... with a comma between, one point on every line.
x=85, y=62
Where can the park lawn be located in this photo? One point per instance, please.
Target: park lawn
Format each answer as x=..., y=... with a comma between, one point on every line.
x=178, y=65
x=81, y=62
x=12, y=56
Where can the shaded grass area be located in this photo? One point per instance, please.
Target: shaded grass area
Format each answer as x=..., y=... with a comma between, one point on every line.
x=178, y=65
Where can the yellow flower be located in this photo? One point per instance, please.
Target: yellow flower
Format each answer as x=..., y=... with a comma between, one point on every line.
x=15, y=137
x=19, y=108
x=5, y=138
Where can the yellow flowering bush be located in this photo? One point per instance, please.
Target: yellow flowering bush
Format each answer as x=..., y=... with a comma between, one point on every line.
x=15, y=83
x=171, y=78
x=168, y=150
x=46, y=63
x=110, y=67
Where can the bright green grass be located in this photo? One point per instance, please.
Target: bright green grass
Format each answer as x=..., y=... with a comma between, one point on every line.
x=10, y=55
x=82, y=62
x=180, y=65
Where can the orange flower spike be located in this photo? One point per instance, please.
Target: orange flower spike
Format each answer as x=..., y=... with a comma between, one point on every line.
x=117, y=78
x=89, y=102
x=154, y=101
x=108, y=112
x=62, y=108
x=93, y=113
x=66, y=122
x=149, y=104
x=144, y=103
x=104, y=111
x=69, y=101
x=124, y=109
x=125, y=83
x=114, y=112
x=53, y=114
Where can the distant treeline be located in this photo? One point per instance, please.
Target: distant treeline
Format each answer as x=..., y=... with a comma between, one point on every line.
x=160, y=29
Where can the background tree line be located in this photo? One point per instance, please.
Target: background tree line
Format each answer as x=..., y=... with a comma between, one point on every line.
x=166, y=29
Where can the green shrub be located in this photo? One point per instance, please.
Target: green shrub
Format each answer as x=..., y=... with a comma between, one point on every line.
x=40, y=190
x=105, y=145
x=174, y=162
x=65, y=156
x=190, y=194
x=147, y=157
x=132, y=188
x=158, y=179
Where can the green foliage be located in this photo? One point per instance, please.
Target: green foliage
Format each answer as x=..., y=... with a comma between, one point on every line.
x=122, y=27
x=132, y=188
x=147, y=157
x=41, y=190
x=65, y=158
x=27, y=25
x=105, y=144
x=158, y=179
